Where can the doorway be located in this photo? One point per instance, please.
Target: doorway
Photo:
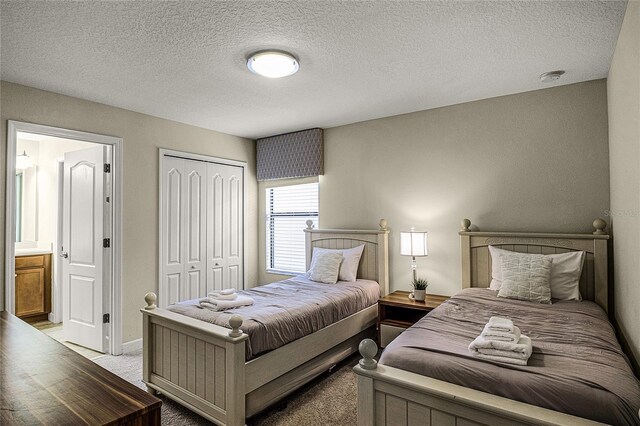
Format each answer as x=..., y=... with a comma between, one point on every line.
x=63, y=233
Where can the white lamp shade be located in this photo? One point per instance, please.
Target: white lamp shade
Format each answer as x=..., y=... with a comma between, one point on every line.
x=413, y=243
x=23, y=161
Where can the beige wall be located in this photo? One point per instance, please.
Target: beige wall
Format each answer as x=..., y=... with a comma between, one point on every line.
x=536, y=161
x=624, y=147
x=142, y=135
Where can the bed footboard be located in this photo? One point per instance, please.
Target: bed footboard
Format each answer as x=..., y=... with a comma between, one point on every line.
x=199, y=365
x=390, y=396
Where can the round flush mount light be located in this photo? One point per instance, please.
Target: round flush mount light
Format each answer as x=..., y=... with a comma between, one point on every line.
x=551, y=76
x=273, y=64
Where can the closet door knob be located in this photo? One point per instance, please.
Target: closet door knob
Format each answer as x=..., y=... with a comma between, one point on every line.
x=64, y=254
x=217, y=264
x=193, y=266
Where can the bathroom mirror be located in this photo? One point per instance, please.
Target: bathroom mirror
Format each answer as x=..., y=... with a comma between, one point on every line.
x=26, y=205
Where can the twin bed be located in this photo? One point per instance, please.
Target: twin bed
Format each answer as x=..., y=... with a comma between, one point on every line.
x=230, y=365
x=227, y=366
x=577, y=374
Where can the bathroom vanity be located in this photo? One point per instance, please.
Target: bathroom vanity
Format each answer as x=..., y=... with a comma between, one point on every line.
x=33, y=285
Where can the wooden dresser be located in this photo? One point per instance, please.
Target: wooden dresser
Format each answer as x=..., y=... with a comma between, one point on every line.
x=44, y=382
x=33, y=287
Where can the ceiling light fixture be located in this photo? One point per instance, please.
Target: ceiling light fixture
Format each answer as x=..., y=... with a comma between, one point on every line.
x=273, y=64
x=551, y=76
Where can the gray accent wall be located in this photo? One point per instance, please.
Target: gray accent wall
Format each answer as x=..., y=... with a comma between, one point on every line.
x=535, y=161
x=623, y=87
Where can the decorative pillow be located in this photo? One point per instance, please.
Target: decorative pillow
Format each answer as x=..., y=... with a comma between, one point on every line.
x=526, y=278
x=350, y=261
x=325, y=267
x=566, y=270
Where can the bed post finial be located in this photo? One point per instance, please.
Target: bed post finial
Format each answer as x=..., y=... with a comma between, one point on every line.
x=599, y=224
x=383, y=224
x=150, y=298
x=309, y=224
x=465, y=224
x=368, y=349
x=235, y=322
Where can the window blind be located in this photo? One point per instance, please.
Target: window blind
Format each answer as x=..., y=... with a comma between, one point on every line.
x=288, y=209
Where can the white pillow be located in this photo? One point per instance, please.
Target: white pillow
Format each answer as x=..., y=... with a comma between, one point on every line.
x=526, y=278
x=350, y=261
x=325, y=267
x=566, y=269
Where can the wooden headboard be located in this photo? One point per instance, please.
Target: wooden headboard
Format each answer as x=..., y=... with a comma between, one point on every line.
x=374, y=263
x=476, y=260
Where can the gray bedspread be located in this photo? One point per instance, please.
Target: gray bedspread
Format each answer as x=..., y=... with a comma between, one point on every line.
x=577, y=366
x=288, y=310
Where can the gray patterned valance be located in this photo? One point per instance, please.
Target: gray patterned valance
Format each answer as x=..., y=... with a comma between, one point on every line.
x=292, y=155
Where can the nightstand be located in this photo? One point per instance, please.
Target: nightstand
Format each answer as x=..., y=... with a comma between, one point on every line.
x=396, y=312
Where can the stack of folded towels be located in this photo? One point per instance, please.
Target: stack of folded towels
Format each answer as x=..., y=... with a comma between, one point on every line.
x=501, y=341
x=221, y=300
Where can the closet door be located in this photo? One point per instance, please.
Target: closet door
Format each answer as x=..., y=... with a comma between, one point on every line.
x=183, y=252
x=225, y=226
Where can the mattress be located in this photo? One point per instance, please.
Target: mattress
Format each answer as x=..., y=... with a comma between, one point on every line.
x=577, y=366
x=288, y=310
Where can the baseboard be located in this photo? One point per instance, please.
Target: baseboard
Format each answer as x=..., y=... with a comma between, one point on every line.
x=624, y=342
x=131, y=346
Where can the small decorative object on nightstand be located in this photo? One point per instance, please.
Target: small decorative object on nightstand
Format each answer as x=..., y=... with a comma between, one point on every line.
x=419, y=289
x=397, y=312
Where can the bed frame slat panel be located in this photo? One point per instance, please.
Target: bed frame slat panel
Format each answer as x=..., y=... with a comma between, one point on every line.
x=201, y=368
x=209, y=371
x=191, y=364
x=157, y=355
x=396, y=410
x=173, y=351
x=220, y=377
x=182, y=360
x=381, y=408
x=418, y=415
x=442, y=419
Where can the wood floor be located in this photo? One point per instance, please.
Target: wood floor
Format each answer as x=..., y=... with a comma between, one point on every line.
x=55, y=332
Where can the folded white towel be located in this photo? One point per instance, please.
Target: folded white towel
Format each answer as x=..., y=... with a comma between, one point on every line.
x=231, y=296
x=504, y=325
x=224, y=291
x=501, y=336
x=502, y=351
x=501, y=359
x=222, y=305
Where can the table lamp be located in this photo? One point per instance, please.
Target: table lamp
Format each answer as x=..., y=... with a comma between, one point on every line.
x=413, y=243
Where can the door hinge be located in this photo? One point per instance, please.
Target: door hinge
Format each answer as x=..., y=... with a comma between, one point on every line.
x=107, y=168
x=106, y=318
x=106, y=243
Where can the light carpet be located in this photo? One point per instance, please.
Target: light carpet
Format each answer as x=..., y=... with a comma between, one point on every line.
x=328, y=400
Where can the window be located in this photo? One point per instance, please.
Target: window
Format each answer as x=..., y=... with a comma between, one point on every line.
x=288, y=209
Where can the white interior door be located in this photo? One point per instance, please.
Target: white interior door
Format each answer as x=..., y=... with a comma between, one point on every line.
x=225, y=227
x=183, y=258
x=85, y=223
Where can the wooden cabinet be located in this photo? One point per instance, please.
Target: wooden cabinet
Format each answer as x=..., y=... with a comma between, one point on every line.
x=396, y=313
x=33, y=286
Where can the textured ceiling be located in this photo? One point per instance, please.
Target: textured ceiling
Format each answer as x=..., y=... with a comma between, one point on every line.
x=186, y=61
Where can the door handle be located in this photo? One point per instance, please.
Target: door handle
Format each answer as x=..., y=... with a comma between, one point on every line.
x=193, y=266
x=64, y=254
